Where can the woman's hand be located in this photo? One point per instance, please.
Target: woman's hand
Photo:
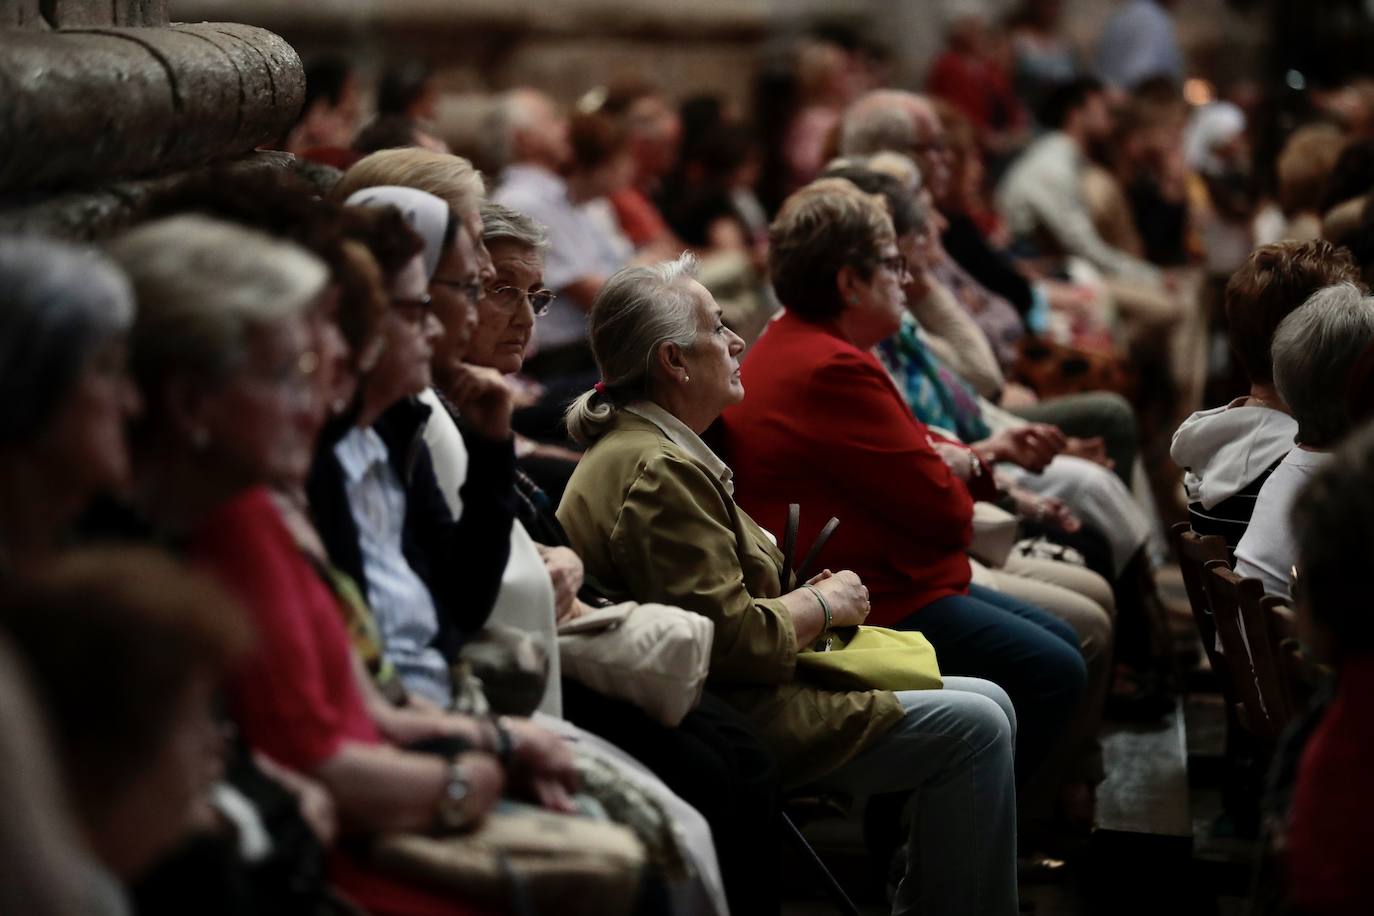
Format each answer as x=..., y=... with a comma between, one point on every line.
x=846, y=596
x=1032, y=446
x=566, y=571
x=483, y=398
x=1045, y=509
x=541, y=764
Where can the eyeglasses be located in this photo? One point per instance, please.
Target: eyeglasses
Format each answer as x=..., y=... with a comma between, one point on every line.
x=508, y=299
x=896, y=264
x=413, y=310
x=472, y=289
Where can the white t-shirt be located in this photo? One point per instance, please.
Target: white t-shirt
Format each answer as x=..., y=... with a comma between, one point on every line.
x=1268, y=550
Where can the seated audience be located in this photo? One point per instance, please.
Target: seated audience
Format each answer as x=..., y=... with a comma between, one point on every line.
x=971, y=75
x=887, y=122
x=1329, y=826
x=655, y=136
x=1228, y=452
x=825, y=427
x=1041, y=198
x=712, y=759
x=65, y=390
x=373, y=495
x=581, y=253
x=220, y=349
x=1315, y=348
x=651, y=512
x=426, y=604
x=138, y=755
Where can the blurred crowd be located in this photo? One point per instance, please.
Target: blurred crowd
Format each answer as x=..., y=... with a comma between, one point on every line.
x=449, y=524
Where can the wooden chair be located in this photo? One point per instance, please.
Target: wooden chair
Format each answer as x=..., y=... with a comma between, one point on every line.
x=1301, y=673
x=1195, y=551
x=1251, y=648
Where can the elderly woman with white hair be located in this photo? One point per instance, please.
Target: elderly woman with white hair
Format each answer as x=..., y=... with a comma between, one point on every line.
x=1314, y=350
x=66, y=397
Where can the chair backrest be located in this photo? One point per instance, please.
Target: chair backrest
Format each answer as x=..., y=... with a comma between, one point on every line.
x=1302, y=675
x=1252, y=655
x=1195, y=551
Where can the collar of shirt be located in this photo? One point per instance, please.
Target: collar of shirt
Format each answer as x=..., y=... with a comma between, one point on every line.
x=359, y=451
x=678, y=433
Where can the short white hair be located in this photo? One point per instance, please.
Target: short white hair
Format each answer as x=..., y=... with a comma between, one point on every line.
x=1314, y=350
x=202, y=285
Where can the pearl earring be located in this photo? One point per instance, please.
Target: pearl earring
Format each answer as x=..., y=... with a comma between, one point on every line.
x=200, y=437
x=686, y=378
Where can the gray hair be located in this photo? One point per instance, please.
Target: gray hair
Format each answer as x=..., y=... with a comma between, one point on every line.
x=880, y=121
x=637, y=311
x=502, y=224
x=1314, y=350
x=202, y=286
x=59, y=302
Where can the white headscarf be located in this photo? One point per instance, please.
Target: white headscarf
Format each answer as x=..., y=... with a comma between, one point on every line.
x=1211, y=126
x=426, y=214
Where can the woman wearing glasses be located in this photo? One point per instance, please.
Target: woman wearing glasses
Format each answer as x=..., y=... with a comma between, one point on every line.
x=824, y=426
x=372, y=492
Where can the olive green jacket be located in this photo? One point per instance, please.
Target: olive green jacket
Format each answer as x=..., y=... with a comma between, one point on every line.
x=653, y=523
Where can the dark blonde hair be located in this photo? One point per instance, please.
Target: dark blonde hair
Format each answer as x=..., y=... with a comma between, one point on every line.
x=827, y=225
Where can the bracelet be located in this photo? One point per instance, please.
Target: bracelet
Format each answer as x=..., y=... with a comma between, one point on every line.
x=825, y=609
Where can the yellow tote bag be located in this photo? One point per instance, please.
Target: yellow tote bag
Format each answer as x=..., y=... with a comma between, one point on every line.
x=872, y=658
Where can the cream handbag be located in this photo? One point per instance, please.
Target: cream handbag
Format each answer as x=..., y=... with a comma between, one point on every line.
x=652, y=655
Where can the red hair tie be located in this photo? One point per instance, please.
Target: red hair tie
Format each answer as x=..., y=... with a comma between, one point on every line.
x=599, y=387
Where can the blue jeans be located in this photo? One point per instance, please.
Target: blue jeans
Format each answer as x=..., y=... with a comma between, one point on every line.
x=1031, y=654
x=953, y=750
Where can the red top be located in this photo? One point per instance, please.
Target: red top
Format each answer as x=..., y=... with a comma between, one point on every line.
x=1331, y=825
x=822, y=425
x=639, y=218
x=978, y=88
x=296, y=699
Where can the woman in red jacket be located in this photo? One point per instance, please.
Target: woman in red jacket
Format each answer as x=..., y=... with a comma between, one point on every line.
x=825, y=427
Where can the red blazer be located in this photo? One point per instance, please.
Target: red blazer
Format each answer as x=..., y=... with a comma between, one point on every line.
x=822, y=425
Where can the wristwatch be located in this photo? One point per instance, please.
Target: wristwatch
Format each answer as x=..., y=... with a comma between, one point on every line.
x=452, y=815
